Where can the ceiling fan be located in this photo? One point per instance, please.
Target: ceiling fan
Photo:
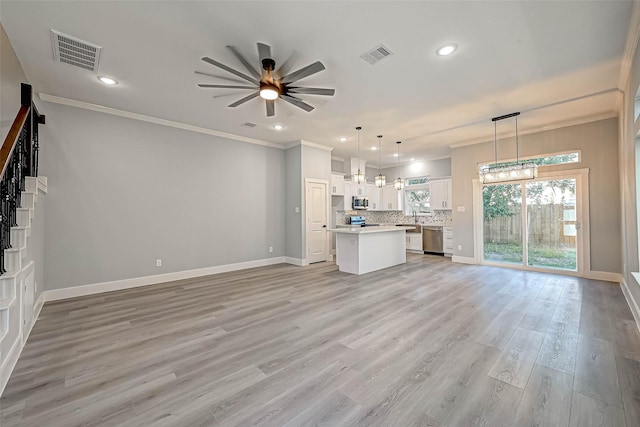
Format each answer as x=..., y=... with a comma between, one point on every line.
x=270, y=84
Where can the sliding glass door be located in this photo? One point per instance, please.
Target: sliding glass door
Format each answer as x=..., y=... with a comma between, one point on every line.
x=532, y=224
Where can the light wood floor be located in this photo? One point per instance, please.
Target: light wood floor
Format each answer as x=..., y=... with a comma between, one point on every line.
x=426, y=343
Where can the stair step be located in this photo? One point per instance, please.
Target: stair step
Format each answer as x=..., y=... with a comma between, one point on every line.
x=31, y=184
x=24, y=216
x=13, y=258
x=18, y=237
x=5, y=303
x=28, y=200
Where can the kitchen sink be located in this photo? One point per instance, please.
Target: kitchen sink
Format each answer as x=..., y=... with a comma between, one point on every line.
x=417, y=227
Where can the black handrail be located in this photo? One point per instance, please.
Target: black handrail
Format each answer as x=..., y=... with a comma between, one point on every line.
x=18, y=159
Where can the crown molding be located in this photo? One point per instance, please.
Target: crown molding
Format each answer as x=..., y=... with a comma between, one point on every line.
x=552, y=126
x=308, y=144
x=633, y=36
x=151, y=119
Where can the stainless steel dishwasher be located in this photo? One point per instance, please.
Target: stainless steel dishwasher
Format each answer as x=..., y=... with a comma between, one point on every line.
x=432, y=239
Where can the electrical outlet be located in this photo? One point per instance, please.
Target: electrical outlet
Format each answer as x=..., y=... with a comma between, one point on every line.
x=158, y=263
x=459, y=247
x=297, y=209
x=461, y=208
x=270, y=248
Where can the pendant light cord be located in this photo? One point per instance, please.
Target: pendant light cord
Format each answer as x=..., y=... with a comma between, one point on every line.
x=379, y=154
x=517, y=147
x=495, y=142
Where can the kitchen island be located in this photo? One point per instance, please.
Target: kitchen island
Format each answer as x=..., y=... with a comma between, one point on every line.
x=361, y=250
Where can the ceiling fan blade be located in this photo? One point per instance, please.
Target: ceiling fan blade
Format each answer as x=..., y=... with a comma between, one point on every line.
x=264, y=51
x=245, y=99
x=297, y=102
x=271, y=107
x=219, y=77
x=227, y=86
x=312, y=91
x=246, y=64
x=229, y=69
x=286, y=65
x=316, y=67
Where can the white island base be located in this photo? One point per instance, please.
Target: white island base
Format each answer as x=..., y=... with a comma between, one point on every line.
x=365, y=249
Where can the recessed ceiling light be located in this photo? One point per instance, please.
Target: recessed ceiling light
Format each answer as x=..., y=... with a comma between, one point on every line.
x=278, y=127
x=107, y=80
x=447, y=49
x=374, y=148
x=413, y=160
x=395, y=154
x=343, y=139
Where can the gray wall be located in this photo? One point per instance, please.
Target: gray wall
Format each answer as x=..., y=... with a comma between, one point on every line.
x=628, y=171
x=293, y=196
x=11, y=75
x=598, y=144
x=123, y=193
x=337, y=166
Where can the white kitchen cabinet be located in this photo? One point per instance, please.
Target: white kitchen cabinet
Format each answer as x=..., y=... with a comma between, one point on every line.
x=389, y=199
x=348, y=192
x=337, y=184
x=440, y=194
x=414, y=241
x=373, y=193
x=447, y=240
x=359, y=190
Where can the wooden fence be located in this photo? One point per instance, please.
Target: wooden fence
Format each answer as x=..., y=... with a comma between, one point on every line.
x=546, y=224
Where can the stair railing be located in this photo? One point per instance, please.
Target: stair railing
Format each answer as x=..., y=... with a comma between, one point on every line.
x=18, y=159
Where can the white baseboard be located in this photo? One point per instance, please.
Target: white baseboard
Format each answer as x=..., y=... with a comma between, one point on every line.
x=10, y=362
x=296, y=261
x=633, y=304
x=116, y=285
x=464, y=259
x=604, y=275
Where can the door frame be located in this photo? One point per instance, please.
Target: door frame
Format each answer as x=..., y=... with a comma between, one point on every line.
x=305, y=231
x=583, y=238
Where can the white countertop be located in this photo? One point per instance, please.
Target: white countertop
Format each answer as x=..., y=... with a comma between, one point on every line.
x=373, y=229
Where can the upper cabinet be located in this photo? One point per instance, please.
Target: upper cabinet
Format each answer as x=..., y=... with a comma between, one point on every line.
x=440, y=194
x=337, y=184
x=390, y=198
x=373, y=193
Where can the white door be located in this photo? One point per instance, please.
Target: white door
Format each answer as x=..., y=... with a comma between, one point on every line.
x=316, y=204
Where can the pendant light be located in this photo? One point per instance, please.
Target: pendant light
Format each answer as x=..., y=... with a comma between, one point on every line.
x=399, y=182
x=358, y=178
x=381, y=180
x=511, y=172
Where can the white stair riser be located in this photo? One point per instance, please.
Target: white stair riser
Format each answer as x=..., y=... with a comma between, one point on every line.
x=31, y=184
x=19, y=237
x=13, y=260
x=23, y=217
x=7, y=286
x=28, y=200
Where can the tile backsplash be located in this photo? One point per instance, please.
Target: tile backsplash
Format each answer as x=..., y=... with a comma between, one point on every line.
x=396, y=217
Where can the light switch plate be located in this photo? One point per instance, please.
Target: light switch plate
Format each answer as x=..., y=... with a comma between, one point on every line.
x=461, y=208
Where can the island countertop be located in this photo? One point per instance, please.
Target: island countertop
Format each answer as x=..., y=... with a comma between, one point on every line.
x=372, y=229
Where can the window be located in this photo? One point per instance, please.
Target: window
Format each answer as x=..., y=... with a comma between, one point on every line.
x=417, y=196
x=551, y=159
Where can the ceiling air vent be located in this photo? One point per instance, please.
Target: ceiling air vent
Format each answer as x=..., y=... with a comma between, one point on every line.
x=376, y=54
x=76, y=52
x=249, y=124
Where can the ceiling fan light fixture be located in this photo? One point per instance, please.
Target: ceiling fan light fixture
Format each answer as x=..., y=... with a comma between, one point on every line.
x=269, y=92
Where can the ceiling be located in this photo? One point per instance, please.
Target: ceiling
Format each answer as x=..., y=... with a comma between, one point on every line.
x=555, y=61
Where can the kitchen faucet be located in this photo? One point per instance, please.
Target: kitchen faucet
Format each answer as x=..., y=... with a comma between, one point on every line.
x=415, y=217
